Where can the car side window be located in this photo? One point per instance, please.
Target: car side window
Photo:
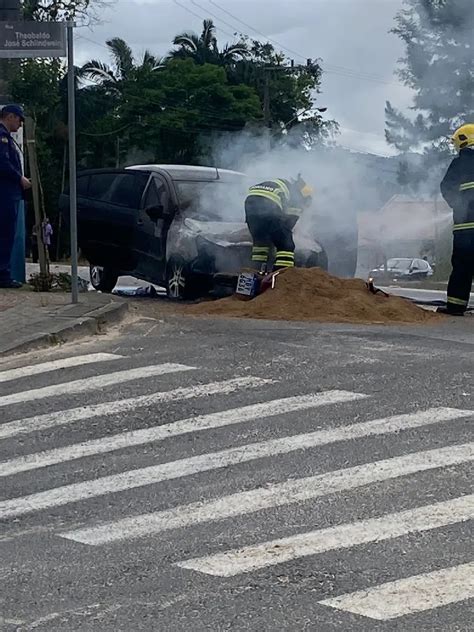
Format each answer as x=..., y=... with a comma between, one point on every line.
x=127, y=189
x=99, y=185
x=157, y=194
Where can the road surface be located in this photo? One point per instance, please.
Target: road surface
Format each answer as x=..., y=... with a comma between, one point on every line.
x=420, y=295
x=200, y=475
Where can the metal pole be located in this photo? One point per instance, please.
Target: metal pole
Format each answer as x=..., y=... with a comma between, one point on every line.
x=71, y=98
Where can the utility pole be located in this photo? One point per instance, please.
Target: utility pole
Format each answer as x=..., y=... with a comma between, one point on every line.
x=9, y=10
x=266, y=99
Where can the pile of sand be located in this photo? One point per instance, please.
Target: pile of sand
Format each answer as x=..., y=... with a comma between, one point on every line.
x=312, y=294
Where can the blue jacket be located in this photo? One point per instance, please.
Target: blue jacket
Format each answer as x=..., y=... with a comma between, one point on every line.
x=10, y=168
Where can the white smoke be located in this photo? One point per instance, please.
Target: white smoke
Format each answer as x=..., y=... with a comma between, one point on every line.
x=342, y=183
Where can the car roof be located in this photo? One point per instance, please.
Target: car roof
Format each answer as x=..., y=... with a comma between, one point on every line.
x=191, y=172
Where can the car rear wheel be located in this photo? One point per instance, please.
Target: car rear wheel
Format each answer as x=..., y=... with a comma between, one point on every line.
x=103, y=279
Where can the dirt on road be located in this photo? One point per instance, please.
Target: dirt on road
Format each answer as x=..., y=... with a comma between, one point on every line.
x=312, y=294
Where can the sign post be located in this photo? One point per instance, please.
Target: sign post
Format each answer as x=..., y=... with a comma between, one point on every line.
x=22, y=40
x=71, y=107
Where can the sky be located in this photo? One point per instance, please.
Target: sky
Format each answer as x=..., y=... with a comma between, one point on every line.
x=351, y=37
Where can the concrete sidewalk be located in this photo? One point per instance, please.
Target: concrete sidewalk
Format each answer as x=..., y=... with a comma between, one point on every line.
x=30, y=319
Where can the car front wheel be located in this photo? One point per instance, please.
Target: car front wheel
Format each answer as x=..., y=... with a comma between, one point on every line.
x=179, y=280
x=103, y=279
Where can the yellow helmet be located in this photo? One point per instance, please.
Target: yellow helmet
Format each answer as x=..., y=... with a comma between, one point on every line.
x=463, y=137
x=305, y=190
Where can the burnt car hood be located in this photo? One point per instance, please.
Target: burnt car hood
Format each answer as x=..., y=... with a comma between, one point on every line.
x=220, y=233
x=227, y=234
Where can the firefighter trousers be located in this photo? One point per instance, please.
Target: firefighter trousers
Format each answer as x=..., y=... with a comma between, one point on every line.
x=460, y=281
x=270, y=228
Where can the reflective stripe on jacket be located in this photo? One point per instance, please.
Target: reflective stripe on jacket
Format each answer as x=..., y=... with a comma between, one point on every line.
x=278, y=192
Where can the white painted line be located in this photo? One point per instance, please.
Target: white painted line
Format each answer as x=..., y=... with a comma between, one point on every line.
x=159, y=433
x=131, y=479
x=55, y=365
x=95, y=383
x=123, y=406
x=289, y=492
x=410, y=595
x=343, y=536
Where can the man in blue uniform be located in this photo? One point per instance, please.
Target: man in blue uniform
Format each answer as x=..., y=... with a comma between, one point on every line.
x=12, y=187
x=457, y=189
x=272, y=209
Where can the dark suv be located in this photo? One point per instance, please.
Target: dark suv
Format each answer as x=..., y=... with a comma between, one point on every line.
x=175, y=226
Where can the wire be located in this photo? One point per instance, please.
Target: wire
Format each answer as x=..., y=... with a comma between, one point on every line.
x=200, y=17
x=232, y=26
x=327, y=68
x=116, y=131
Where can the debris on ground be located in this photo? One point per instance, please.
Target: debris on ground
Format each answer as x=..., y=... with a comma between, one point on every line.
x=61, y=282
x=313, y=294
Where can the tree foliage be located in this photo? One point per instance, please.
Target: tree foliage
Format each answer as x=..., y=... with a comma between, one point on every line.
x=438, y=66
x=51, y=10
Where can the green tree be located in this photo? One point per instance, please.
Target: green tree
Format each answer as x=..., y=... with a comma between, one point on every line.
x=203, y=49
x=124, y=67
x=291, y=93
x=175, y=110
x=437, y=66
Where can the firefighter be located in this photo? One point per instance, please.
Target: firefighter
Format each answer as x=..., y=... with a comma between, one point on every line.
x=457, y=189
x=272, y=209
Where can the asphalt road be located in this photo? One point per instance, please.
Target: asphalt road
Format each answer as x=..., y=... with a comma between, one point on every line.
x=235, y=475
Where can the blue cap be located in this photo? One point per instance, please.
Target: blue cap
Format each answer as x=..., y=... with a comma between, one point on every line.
x=14, y=109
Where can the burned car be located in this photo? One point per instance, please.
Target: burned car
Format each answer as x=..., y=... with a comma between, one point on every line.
x=176, y=226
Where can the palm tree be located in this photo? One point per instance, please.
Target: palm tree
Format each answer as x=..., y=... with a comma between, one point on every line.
x=124, y=66
x=204, y=49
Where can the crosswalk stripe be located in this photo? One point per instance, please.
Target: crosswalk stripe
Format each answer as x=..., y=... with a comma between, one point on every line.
x=55, y=365
x=343, y=536
x=97, y=382
x=205, y=462
x=409, y=595
x=159, y=433
x=124, y=406
x=289, y=492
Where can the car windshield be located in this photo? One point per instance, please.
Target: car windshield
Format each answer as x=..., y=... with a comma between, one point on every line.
x=217, y=201
x=397, y=264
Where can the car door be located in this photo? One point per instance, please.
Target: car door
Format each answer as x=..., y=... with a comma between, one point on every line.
x=152, y=227
x=108, y=217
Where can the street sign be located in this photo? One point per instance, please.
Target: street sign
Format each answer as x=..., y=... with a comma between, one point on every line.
x=32, y=39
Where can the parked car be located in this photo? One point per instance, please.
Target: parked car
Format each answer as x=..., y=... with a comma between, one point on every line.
x=172, y=225
x=406, y=269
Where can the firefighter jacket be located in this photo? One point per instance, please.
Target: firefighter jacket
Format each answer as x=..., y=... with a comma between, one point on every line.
x=457, y=189
x=281, y=193
x=10, y=167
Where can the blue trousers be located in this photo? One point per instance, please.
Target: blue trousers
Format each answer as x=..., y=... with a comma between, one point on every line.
x=8, y=217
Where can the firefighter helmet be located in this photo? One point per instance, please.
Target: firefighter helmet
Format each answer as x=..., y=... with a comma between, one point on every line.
x=463, y=137
x=305, y=189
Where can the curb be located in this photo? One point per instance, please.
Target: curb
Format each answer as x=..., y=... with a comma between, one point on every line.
x=67, y=329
